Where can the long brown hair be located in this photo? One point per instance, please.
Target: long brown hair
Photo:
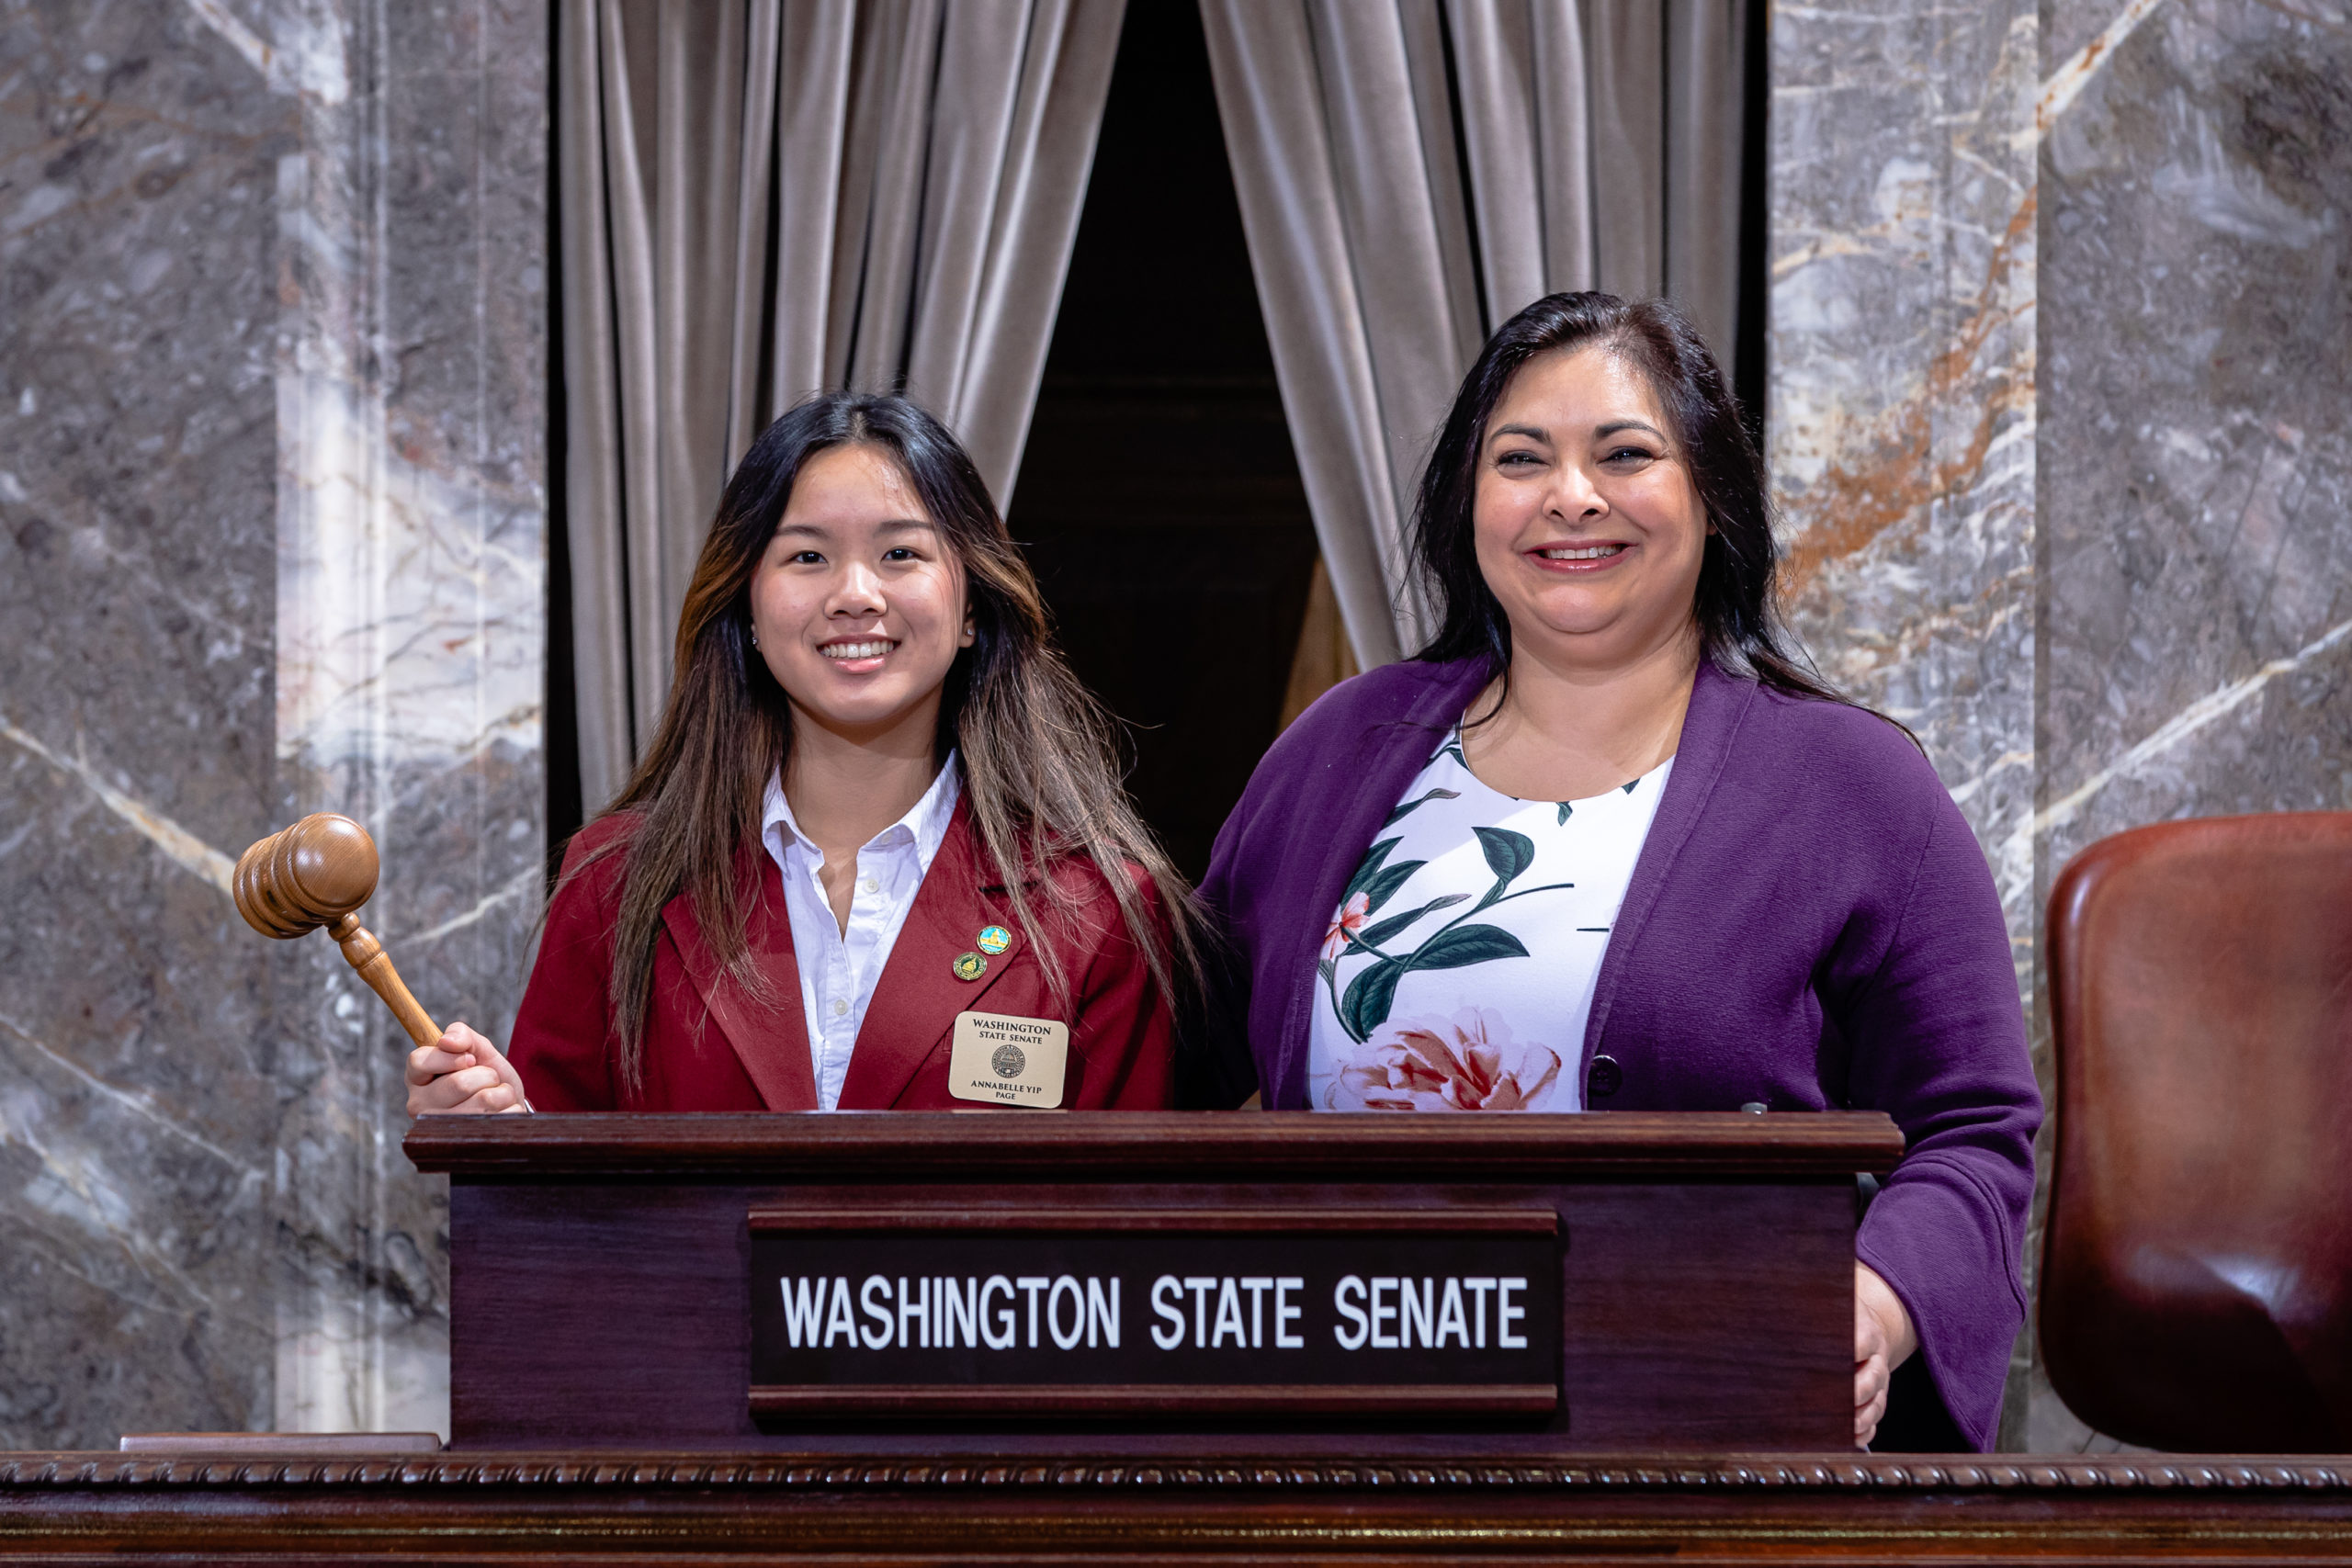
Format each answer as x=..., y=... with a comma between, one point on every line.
x=1039, y=764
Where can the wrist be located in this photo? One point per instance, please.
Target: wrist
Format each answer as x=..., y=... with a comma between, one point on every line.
x=1878, y=1298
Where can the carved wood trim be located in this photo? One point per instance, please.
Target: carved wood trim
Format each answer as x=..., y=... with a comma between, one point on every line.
x=1725, y=1474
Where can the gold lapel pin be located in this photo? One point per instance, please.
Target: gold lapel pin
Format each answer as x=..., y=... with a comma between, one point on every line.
x=994, y=940
x=970, y=967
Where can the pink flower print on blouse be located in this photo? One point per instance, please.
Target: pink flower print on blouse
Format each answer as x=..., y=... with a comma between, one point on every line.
x=1352, y=915
x=1467, y=1063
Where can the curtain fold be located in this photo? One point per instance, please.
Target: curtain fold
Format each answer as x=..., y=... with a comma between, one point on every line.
x=763, y=198
x=1598, y=147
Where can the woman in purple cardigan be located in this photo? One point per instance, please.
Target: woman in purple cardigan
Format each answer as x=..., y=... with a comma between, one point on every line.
x=1606, y=844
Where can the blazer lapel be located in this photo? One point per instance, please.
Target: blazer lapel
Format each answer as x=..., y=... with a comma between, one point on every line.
x=1387, y=756
x=1718, y=702
x=771, y=1041
x=919, y=995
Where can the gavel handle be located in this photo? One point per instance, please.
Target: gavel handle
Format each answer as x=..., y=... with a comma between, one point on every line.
x=375, y=966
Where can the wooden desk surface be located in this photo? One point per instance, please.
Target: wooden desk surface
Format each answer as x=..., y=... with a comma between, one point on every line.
x=1189, y=1146
x=677, y=1510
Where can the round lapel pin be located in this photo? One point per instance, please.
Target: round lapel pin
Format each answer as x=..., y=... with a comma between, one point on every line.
x=994, y=940
x=970, y=967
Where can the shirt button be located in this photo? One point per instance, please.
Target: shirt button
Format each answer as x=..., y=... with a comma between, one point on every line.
x=840, y=1006
x=872, y=884
x=1603, y=1078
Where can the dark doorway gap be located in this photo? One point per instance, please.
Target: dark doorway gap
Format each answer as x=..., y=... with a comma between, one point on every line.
x=1748, y=351
x=560, y=712
x=1159, y=498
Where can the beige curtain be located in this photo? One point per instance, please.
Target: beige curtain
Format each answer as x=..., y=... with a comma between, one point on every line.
x=1601, y=142
x=763, y=199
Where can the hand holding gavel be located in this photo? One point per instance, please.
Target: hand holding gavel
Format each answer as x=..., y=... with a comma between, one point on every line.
x=317, y=872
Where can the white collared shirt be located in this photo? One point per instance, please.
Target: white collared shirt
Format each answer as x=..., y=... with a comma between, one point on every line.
x=840, y=969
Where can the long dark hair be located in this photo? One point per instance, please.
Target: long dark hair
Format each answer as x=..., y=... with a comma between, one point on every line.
x=1739, y=621
x=1040, y=766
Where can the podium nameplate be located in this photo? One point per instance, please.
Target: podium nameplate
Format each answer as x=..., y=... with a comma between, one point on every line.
x=1167, y=1314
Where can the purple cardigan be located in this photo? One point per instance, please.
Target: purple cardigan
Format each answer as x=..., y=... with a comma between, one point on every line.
x=1811, y=924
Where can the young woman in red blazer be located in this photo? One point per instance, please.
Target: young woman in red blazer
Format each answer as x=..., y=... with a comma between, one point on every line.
x=877, y=855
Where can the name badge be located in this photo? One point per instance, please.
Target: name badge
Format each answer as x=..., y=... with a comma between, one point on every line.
x=1008, y=1061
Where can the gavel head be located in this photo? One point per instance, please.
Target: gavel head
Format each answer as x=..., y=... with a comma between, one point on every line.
x=305, y=876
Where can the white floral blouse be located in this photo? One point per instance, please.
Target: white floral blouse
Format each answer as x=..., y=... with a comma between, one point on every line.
x=1458, y=971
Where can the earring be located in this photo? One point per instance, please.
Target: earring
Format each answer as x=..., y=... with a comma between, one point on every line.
x=755, y=639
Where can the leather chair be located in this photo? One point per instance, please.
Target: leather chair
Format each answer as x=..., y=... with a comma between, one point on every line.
x=2197, y=1267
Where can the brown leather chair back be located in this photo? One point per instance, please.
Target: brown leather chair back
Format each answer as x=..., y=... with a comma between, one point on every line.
x=2196, y=1270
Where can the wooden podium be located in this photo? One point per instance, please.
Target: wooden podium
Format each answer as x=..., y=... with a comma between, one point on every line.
x=628, y=1388
x=1153, y=1284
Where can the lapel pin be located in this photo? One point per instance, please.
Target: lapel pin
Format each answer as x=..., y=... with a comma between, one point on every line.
x=994, y=940
x=970, y=967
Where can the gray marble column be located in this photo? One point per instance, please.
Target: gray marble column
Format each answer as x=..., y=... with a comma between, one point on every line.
x=272, y=448
x=1901, y=411
x=2058, y=341
x=2196, y=446
x=410, y=617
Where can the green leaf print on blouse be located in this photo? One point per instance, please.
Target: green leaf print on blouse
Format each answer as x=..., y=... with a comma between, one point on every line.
x=1365, y=1005
x=1370, y=937
x=1417, y=801
x=1507, y=854
x=1375, y=881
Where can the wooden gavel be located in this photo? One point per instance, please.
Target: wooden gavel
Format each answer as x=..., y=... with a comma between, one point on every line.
x=316, y=874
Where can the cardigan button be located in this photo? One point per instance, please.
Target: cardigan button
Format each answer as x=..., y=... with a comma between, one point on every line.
x=1603, y=1078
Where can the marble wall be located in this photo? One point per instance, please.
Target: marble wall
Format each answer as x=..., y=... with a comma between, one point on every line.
x=272, y=432
x=2059, y=334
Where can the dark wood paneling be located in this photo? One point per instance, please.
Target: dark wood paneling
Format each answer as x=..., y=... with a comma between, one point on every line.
x=1239, y=1507
x=617, y=1310
x=1704, y=1316
x=601, y=1263
x=1696, y=1313
x=1120, y=1402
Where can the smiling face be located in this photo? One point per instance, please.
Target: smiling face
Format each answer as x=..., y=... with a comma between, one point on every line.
x=857, y=604
x=1590, y=530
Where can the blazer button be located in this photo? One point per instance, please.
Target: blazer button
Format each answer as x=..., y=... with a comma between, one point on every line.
x=1603, y=1078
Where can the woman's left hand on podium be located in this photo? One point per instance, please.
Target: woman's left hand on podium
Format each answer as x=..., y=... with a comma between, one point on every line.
x=1883, y=1340
x=462, y=1072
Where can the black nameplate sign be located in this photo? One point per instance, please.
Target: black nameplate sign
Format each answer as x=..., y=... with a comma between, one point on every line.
x=1138, y=1313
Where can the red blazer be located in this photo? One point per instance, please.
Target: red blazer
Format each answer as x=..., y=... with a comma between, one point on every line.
x=711, y=1044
